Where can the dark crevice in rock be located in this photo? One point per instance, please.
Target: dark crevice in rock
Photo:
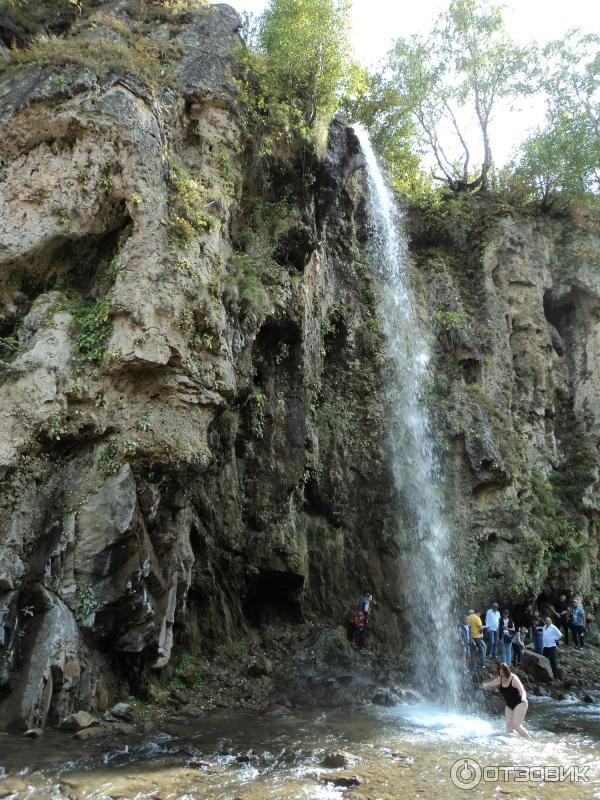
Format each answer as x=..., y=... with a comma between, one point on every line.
x=274, y=597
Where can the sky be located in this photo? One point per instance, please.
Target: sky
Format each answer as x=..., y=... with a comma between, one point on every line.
x=377, y=23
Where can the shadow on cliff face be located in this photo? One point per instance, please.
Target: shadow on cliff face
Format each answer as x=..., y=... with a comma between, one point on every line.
x=275, y=597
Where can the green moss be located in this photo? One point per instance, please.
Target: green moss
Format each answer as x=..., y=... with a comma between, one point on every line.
x=143, y=57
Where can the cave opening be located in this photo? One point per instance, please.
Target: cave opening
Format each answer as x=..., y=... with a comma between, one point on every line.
x=275, y=598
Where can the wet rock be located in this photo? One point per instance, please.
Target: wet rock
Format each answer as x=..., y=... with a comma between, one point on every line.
x=383, y=698
x=183, y=698
x=34, y=733
x=78, y=721
x=540, y=691
x=247, y=758
x=122, y=711
x=537, y=666
x=335, y=759
x=157, y=695
x=587, y=698
x=13, y=788
x=123, y=728
x=277, y=712
x=91, y=733
x=260, y=666
x=344, y=781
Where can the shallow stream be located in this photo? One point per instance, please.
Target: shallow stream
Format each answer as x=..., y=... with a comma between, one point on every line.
x=407, y=751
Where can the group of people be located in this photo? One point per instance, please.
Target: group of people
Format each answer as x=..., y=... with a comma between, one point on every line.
x=499, y=634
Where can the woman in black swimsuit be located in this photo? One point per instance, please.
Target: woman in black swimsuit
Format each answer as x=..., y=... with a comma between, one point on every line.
x=515, y=698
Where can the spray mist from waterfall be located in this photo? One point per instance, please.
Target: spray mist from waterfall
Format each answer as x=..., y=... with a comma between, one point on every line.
x=427, y=575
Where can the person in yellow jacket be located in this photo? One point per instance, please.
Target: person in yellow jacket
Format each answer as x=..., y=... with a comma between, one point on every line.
x=476, y=624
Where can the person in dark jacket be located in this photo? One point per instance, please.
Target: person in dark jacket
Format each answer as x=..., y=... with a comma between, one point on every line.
x=537, y=632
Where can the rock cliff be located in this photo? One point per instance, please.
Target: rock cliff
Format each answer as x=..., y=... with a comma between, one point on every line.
x=193, y=445
x=192, y=435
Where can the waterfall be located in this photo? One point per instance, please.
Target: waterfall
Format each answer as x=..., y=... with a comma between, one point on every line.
x=428, y=586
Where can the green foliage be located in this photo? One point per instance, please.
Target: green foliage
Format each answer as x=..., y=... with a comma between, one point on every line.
x=451, y=322
x=282, y=353
x=85, y=602
x=143, y=423
x=142, y=56
x=253, y=269
x=564, y=538
x=453, y=79
x=379, y=106
x=256, y=403
x=188, y=673
x=31, y=15
x=561, y=160
x=92, y=320
x=108, y=461
x=307, y=47
x=187, y=208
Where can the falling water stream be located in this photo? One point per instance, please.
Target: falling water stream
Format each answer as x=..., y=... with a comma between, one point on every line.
x=428, y=584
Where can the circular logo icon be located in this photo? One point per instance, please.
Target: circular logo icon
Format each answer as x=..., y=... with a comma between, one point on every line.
x=465, y=773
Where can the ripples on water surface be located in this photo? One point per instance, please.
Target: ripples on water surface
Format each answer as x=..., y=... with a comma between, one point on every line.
x=402, y=752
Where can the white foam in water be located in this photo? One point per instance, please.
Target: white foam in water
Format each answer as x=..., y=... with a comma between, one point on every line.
x=449, y=723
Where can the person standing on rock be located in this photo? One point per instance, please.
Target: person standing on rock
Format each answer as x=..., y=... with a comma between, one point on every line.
x=551, y=637
x=492, y=623
x=577, y=624
x=563, y=612
x=364, y=606
x=477, y=635
x=467, y=641
x=515, y=697
x=359, y=629
x=518, y=644
x=506, y=631
x=537, y=632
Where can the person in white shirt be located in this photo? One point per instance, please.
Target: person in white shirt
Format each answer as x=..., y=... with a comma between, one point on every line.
x=551, y=636
x=492, y=623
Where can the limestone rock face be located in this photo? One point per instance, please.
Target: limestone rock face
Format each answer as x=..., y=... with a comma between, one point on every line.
x=191, y=438
x=512, y=308
x=193, y=445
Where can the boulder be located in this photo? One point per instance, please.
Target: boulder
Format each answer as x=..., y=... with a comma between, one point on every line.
x=34, y=733
x=122, y=711
x=537, y=666
x=277, y=712
x=78, y=721
x=345, y=781
x=91, y=733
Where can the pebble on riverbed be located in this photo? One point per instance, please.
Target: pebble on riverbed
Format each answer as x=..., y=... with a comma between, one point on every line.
x=334, y=759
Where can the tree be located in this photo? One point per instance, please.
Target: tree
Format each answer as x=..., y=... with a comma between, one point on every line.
x=452, y=81
x=563, y=156
x=382, y=110
x=307, y=45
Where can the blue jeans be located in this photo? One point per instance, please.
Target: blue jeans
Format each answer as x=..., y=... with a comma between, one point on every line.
x=492, y=648
x=538, y=639
x=506, y=651
x=479, y=646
